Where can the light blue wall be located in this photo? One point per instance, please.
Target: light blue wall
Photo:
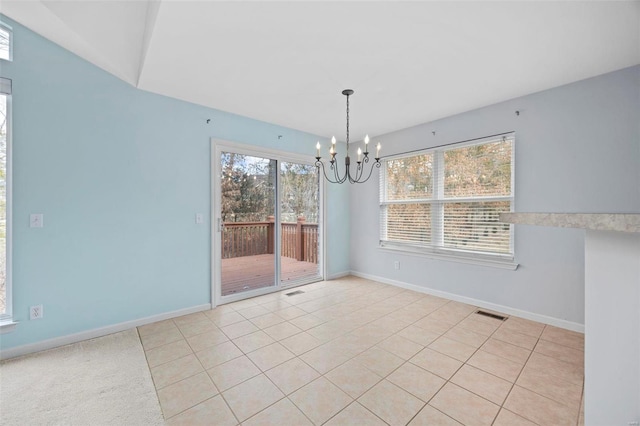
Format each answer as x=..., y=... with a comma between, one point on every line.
x=119, y=174
x=577, y=151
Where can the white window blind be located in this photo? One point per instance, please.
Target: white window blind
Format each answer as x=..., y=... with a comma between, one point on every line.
x=448, y=199
x=6, y=42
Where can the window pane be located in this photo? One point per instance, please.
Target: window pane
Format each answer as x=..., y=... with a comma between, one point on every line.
x=475, y=226
x=299, y=230
x=300, y=190
x=408, y=222
x=247, y=187
x=410, y=178
x=478, y=170
x=3, y=203
x=5, y=43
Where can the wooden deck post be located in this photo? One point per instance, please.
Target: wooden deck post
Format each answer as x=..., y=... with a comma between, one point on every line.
x=300, y=239
x=270, y=234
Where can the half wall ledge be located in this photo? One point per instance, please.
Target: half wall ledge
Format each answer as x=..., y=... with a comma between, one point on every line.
x=619, y=222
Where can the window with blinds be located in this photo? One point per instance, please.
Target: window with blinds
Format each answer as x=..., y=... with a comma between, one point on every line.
x=448, y=199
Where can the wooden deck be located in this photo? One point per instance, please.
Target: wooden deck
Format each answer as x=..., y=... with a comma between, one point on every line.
x=249, y=272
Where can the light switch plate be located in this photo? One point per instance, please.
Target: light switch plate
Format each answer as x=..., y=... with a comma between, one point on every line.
x=36, y=220
x=199, y=218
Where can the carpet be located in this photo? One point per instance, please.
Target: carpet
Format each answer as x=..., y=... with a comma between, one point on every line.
x=103, y=381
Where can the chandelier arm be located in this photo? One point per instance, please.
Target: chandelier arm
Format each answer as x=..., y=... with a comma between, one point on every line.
x=320, y=165
x=374, y=165
x=357, y=174
x=337, y=174
x=361, y=170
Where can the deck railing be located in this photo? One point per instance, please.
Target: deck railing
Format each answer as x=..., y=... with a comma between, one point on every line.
x=299, y=240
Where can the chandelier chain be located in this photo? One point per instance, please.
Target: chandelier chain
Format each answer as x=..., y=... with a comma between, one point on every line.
x=347, y=124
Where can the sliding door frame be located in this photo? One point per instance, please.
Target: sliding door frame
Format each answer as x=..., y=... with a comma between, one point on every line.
x=217, y=147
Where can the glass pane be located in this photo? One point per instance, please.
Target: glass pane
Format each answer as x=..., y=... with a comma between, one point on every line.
x=408, y=222
x=478, y=170
x=299, y=208
x=247, y=186
x=476, y=227
x=3, y=203
x=410, y=178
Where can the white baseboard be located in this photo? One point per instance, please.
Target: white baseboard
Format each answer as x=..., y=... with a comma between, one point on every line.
x=96, y=332
x=338, y=275
x=573, y=326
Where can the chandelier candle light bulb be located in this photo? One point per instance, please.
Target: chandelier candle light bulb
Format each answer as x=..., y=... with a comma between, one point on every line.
x=359, y=175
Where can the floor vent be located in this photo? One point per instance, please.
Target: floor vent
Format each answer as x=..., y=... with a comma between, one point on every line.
x=489, y=314
x=293, y=293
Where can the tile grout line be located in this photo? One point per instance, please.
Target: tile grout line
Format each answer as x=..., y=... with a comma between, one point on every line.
x=539, y=394
x=513, y=385
x=201, y=366
x=459, y=368
x=346, y=303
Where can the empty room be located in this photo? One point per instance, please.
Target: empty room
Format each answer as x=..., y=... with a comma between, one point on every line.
x=309, y=213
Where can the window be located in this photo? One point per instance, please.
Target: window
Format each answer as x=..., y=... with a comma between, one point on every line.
x=6, y=42
x=5, y=199
x=447, y=200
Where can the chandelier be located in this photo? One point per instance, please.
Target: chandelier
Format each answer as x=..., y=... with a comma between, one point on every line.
x=356, y=175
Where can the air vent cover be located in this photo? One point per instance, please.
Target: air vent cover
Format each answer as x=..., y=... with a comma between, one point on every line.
x=489, y=314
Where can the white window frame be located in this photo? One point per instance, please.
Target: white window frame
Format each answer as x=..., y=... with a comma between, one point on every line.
x=6, y=319
x=9, y=31
x=435, y=249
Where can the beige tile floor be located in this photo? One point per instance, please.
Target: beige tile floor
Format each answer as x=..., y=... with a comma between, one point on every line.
x=357, y=352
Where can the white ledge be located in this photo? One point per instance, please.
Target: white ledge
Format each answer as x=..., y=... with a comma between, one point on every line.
x=595, y=221
x=7, y=326
x=497, y=262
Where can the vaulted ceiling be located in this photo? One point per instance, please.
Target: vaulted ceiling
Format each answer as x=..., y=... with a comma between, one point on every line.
x=287, y=62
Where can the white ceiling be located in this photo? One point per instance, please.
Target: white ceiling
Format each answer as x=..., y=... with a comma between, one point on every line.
x=287, y=62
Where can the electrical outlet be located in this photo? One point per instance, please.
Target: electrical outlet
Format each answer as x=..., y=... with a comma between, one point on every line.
x=36, y=312
x=396, y=264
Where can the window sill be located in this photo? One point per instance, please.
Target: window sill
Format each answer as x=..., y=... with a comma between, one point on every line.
x=7, y=326
x=498, y=263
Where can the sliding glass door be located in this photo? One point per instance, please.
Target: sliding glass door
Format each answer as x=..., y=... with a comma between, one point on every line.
x=266, y=212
